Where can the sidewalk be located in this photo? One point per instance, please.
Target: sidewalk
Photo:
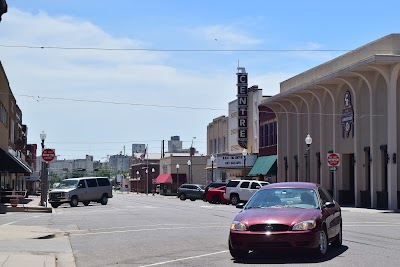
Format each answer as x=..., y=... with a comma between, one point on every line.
x=29, y=204
x=34, y=246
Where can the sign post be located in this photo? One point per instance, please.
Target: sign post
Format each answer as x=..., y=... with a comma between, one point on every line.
x=48, y=154
x=333, y=160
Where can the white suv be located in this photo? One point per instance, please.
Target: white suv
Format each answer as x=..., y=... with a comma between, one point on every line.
x=242, y=190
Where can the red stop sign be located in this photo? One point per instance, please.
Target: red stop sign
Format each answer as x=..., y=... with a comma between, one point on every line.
x=48, y=154
x=333, y=159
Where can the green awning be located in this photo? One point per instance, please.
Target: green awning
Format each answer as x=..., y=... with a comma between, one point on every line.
x=263, y=165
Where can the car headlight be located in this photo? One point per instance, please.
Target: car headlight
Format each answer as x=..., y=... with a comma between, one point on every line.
x=305, y=225
x=238, y=226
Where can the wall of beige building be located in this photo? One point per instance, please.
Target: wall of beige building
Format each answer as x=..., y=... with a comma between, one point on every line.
x=313, y=102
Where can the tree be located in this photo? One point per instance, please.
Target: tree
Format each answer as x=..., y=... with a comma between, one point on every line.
x=102, y=172
x=3, y=7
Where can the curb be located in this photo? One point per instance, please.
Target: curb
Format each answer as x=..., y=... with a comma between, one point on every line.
x=29, y=209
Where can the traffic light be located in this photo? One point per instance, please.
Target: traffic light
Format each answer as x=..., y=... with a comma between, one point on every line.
x=3, y=7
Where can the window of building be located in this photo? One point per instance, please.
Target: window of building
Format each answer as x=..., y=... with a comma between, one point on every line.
x=12, y=131
x=266, y=135
x=275, y=133
x=215, y=145
x=3, y=115
x=261, y=135
x=271, y=133
x=224, y=145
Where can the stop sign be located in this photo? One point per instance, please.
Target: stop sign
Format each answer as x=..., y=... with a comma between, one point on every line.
x=48, y=154
x=333, y=159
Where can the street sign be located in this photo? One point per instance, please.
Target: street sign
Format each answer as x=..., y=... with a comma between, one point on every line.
x=333, y=159
x=48, y=154
x=332, y=169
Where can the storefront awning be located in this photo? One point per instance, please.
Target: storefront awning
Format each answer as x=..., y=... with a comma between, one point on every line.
x=9, y=163
x=263, y=165
x=164, y=179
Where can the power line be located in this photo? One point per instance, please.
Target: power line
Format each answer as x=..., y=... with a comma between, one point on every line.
x=177, y=50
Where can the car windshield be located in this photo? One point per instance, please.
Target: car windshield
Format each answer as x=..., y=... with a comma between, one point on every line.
x=202, y=186
x=284, y=198
x=66, y=184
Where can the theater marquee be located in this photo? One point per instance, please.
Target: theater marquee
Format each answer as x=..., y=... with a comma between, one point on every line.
x=242, y=107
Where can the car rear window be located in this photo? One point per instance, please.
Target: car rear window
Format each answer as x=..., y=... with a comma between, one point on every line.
x=103, y=181
x=232, y=184
x=245, y=185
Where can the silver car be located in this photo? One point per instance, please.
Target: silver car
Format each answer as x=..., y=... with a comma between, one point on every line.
x=83, y=189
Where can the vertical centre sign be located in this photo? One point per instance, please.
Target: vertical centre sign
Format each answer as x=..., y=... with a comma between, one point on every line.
x=242, y=95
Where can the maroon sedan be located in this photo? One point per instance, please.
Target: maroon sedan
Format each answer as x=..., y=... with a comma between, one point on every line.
x=287, y=215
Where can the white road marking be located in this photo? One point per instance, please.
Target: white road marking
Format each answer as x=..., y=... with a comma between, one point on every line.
x=22, y=220
x=148, y=229
x=182, y=259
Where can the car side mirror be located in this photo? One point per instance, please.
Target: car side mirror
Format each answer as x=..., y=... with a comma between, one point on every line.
x=240, y=205
x=329, y=205
x=258, y=187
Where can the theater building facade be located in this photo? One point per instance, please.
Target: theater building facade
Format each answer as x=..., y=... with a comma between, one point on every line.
x=349, y=106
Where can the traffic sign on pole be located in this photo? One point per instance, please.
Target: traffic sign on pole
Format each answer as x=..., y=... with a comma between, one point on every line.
x=333, y=159
x=48, y=154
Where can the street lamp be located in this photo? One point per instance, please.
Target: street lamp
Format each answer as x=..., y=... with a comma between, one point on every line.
x=42, y=137
x=137, y=182
x=189, y=163
x=152, y=179
x=308, y=141
x=212, y=158
x=177, y=177
x=244, y=153
x=43, y=176
x=191, y=159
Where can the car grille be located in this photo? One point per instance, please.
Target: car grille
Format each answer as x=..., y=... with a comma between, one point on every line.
x=268, y=228
x=55, y=195
x=269, y=245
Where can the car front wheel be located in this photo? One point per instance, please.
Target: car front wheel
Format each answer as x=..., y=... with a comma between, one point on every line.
x=73, y=202
x=322, y=248
x=55, y=205
x=182, y=197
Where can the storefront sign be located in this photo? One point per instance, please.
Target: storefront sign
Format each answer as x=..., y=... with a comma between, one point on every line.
x=242, y=107
x=347, y=116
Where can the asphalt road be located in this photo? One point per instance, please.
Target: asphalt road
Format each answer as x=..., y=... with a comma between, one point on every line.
x=140, y=230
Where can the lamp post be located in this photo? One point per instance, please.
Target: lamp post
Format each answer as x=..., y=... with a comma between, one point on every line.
x=152, y=180
x=177, y=177
x=308, y=141
x=244, y=153
x=43, y=176
x=191, y=160
x=147, y=181
x=212, y=158
x=137, y=182
x=189, y=163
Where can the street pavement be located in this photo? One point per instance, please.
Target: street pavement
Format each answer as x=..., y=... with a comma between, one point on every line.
x=22, y=245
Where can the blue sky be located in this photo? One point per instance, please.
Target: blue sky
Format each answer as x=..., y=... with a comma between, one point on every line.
x=143, y=82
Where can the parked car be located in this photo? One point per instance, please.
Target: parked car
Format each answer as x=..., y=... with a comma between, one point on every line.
x=213, y=185
x=216, y=195
x=242, y=190
x=287, y=215
x=191, y=191
x=158, y=189
x=83, y=189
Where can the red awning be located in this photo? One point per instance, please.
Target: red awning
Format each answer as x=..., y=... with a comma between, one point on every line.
x=164, y=179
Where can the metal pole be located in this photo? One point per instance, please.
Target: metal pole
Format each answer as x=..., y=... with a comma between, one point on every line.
x=244, y=167
x=308, y=163
x=177, y=179
x=212, y=171
x=42, y=199
x=190, y=167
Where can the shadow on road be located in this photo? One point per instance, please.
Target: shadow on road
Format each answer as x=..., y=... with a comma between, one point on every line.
x=288, y=256
x=3, y=208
